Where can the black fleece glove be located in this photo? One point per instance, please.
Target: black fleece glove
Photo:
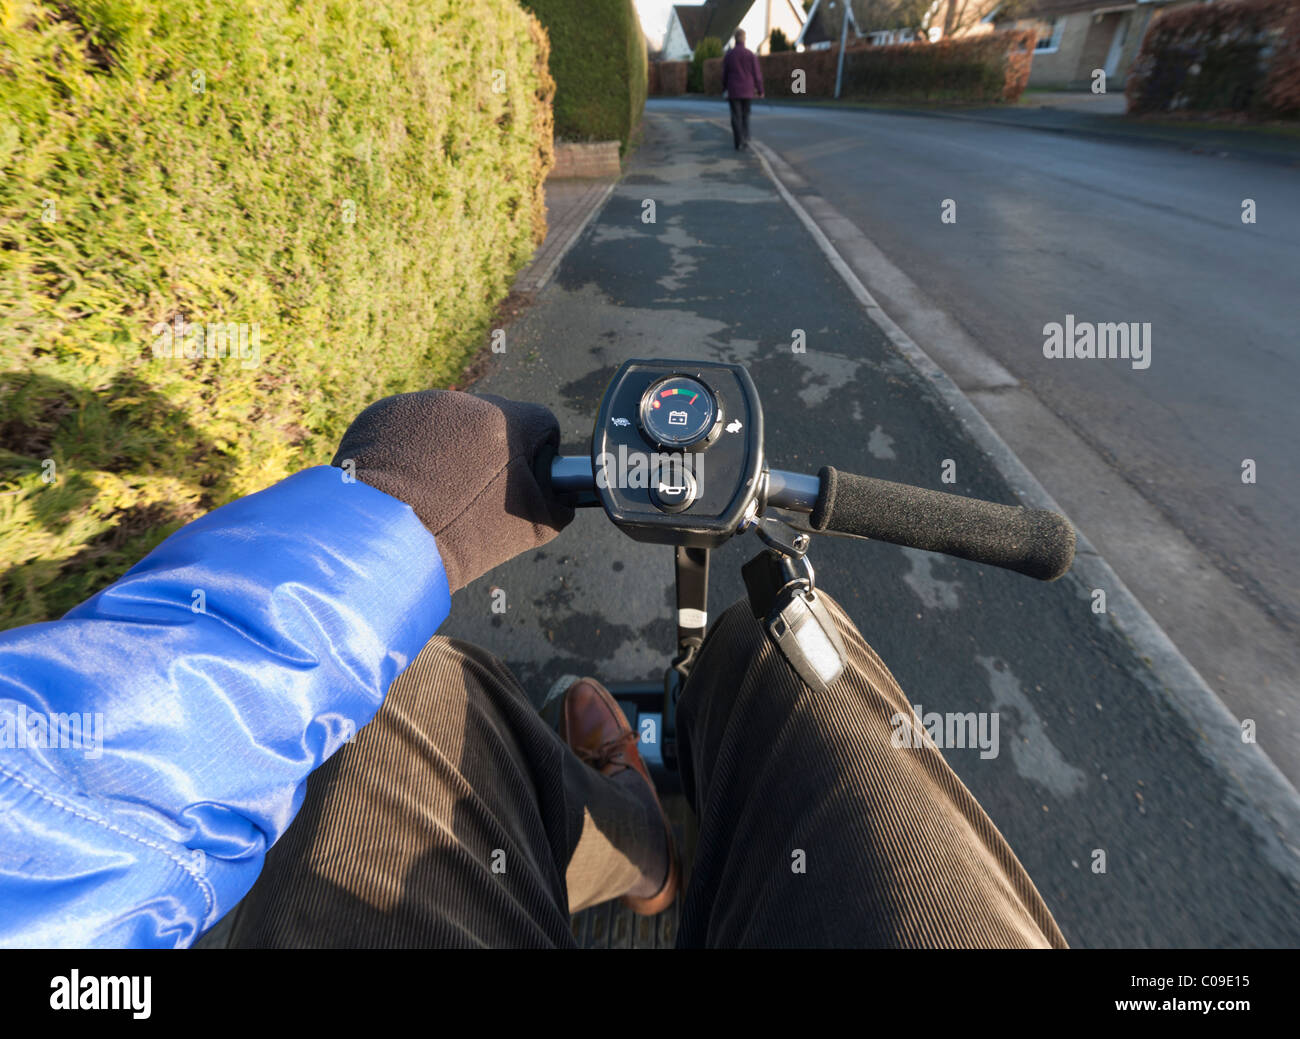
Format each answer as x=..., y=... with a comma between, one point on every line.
x=465, y=464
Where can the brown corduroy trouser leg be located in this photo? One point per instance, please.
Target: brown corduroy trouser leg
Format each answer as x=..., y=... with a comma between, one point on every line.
x=459, y=818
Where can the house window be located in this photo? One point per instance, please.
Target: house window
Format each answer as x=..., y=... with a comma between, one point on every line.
x=1049, y=35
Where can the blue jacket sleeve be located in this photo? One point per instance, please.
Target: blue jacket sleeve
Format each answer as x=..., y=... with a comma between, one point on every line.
x=155, y=741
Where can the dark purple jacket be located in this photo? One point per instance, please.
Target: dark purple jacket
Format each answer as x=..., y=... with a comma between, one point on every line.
x=741, y=76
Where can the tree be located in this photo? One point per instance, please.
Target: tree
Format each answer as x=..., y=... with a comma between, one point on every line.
x=954, y=17
x=709, y=47
x=959, y=16
x=777, y=42
x=872, y=15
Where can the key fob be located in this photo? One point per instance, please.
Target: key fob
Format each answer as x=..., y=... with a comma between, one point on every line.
x=805, y=633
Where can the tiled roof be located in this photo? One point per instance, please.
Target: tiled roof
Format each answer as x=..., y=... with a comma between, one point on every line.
x=694, y=19
x=1048, y=9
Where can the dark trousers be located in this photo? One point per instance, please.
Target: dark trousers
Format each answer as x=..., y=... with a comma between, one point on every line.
x=739, y=119
x=459, y=818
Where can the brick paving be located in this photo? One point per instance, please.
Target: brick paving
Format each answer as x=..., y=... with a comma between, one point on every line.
x=570, y=204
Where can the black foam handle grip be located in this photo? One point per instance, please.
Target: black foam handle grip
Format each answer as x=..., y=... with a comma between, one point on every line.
x=1029, y=541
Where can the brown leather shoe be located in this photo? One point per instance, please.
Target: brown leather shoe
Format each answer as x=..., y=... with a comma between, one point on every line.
x=595, y=728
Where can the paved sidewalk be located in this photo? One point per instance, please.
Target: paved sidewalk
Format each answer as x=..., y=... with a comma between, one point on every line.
x=1094, y=756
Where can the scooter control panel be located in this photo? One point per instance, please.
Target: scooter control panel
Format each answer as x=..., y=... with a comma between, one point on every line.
x=677, y=450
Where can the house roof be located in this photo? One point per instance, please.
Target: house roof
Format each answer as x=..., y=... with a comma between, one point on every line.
x=727, y=16
x=822, y=25
x=816, y=30
x=718, y=18
x=1052, y=8
x=694, y=19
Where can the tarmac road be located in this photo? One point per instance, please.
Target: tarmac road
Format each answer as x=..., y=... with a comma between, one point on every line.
x=1092, y=757
x=1148, y=462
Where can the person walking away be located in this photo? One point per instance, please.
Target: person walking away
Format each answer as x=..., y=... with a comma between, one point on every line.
x=742, y=81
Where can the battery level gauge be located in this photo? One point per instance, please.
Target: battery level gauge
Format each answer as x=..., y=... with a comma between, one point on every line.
x=680, y=412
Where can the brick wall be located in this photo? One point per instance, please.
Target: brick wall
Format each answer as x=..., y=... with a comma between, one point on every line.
x=1061, y=68
x=1096, y=46
x=586, y=159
